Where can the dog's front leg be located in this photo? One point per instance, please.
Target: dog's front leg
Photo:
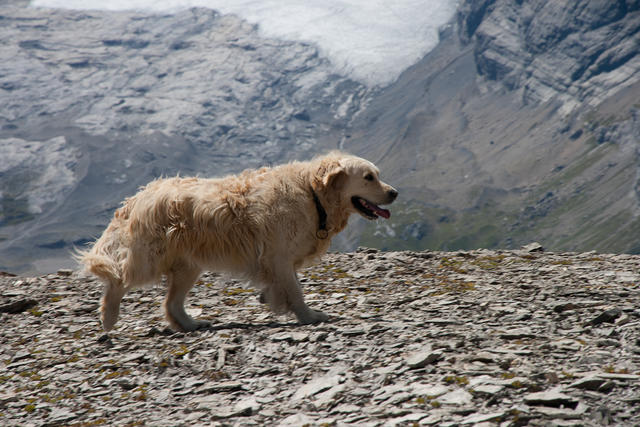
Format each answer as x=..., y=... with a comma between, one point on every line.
x=303, y=312
x=285, y=289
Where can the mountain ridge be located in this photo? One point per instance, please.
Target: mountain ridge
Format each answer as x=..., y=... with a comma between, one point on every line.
x=506, y=132
x=487, y=162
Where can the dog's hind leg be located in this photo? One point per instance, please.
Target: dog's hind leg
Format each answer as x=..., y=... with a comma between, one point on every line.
x=180, y=280
x=110, y=307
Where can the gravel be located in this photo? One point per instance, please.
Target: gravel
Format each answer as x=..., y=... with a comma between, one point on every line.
x=414, y=338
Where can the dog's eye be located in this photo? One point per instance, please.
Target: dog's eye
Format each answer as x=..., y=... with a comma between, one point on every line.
x=368, y=177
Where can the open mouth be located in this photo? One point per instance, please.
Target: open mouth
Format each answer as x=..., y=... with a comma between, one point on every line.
x=369, y=210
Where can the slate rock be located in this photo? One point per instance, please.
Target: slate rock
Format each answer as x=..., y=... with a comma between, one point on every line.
x=533, y=247
x=552, y=398
x=18, y=306
x=423, y=358
x=316, y=386
x=456, y=397
x=588, y=383
x=257, y=368
x=607, y=316
x=483, y=418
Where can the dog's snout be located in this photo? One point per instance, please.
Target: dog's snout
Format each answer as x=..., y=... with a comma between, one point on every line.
x=392, y=194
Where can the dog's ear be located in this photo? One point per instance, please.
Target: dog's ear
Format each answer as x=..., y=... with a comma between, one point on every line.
x=334, y=177
x=330, y=174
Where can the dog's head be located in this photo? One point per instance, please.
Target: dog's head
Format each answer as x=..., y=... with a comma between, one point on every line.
x=358, y=182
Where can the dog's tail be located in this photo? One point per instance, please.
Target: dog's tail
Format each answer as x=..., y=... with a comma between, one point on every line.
x=105, y=257
x=102, y=261
x=99, y=261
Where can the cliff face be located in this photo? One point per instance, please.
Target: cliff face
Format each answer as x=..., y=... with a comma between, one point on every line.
x=523, y=124
x=577, y=52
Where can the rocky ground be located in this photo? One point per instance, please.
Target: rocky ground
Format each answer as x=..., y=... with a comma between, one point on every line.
x=415, y=338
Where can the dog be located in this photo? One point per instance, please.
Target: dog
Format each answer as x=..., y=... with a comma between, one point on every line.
x=262, y=225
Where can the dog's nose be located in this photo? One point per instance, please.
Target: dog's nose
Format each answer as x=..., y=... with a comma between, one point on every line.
x=393, y=193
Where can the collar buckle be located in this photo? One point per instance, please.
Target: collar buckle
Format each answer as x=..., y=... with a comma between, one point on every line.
x=322, y=232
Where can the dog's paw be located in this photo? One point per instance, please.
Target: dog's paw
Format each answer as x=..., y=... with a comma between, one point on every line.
x=198, y=325
x=202, y=324
x=192, y=325
x=108, y=318
x=312, y=316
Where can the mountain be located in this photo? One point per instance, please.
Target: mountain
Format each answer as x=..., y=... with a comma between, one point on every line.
x=521, y=124
x=94, y=104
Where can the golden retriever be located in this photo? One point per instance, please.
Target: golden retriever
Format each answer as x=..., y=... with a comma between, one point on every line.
x=262, y=224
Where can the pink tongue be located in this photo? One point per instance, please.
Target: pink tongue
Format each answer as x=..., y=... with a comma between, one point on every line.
x=384, y=213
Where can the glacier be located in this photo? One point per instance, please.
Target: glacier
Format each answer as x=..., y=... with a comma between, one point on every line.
x=369, y=41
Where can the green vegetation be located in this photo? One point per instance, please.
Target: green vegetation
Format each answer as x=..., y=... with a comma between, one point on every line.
x=459, y=380
x=578, y=207
x=419, y=227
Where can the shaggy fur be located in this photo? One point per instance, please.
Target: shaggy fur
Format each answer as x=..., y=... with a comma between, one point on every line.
x=261, y=224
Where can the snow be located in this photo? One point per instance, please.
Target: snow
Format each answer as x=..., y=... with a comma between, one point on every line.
x=371, y=41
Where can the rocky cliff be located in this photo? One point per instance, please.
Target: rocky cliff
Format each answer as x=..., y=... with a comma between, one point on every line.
x=414, y=338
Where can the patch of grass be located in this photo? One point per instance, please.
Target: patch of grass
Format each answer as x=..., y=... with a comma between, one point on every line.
x=610, y=226
x=562, y=262
x=459, y=380
x=43, y=384
x=181, y=351
x=34, y=311
x=452, y=264
x=141, y=393
x=573, y=170
x=334, y=271
x=236, y=291
x=489, y=262
x=117, y=374
x=72, y=359
x=610, y=369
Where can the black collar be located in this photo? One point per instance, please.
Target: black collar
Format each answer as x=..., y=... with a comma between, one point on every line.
x=322, y=232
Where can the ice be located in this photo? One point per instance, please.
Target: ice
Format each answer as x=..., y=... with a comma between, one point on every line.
x=368, y=40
